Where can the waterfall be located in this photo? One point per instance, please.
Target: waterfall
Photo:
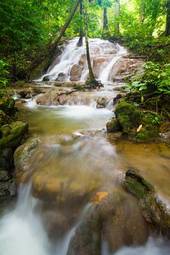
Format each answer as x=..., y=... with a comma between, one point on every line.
x=71, y=65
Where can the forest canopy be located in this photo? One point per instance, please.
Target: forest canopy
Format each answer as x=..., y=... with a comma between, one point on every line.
x=28, y=26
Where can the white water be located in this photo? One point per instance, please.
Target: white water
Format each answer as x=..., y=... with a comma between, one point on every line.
x=106, y=73
x=104, y=56
x=83, y=112
x=22, y=233
x=21, y=230
x=152, y=247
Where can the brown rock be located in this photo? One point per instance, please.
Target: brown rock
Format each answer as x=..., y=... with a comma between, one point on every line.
x=75, y=73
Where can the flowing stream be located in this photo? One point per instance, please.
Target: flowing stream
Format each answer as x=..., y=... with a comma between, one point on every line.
x=76, y=151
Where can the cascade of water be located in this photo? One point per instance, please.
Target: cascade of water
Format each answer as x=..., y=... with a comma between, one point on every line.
x=104, y=55
x=106, y=74
x=21, y=230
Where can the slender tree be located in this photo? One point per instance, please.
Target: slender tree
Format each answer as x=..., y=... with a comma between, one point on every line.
x=81, y=34
x=91, y=81
x=105, y=19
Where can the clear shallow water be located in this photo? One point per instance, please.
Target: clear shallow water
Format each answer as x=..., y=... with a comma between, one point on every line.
x=22, y=231
x=64, y=119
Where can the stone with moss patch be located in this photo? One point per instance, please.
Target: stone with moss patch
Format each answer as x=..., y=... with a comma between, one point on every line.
x=154, y=211
x=136, y=124
x=128, y=116
x=13, y=134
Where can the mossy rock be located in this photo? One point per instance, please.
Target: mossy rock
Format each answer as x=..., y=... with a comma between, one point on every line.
x=13, y=134
x=137, y=185
x=128, y=116
x=138, y=125
x=153, y=210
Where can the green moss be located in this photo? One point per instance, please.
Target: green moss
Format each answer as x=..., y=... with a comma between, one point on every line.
x=150, y=130
x=137, y=185
x=135, y=188
x=15, y=133
x=128, y=116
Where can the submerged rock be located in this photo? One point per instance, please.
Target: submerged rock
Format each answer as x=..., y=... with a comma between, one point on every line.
x=153, y=210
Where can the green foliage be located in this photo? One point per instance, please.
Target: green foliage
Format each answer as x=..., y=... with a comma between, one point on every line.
x=3, y=74
x=29, y=26
x=156, y=79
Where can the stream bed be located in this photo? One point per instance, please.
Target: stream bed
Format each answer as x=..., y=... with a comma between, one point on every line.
x=75, y=161
x=23, y=230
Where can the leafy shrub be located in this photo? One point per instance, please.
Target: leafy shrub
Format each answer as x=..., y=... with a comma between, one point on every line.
x=156, y=79
x=3, y=77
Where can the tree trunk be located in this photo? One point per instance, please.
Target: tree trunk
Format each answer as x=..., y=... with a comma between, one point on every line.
x=67, y=23
x=168, y=19
x=117, y=16
x=105, y=19
x=52, y=47
x=81, y=34
x=91, y=79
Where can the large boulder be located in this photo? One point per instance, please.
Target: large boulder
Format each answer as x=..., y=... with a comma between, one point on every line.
x=128, y=116
x=113, y=218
